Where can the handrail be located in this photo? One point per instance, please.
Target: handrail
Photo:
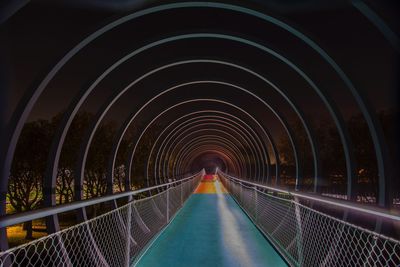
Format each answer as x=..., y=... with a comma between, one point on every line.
x=333, y=202
x=18, y=218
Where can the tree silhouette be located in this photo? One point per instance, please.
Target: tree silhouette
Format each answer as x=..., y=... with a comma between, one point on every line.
x=332, y=154
x=120, y=168
x=65, y=174
x=25, y=182
x=139, y=164
x=287, y=158
x=95, y=183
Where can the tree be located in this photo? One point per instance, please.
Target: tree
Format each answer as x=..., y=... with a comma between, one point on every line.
x=120, y=168
x=330, y=153
x=65, y=173
x=286, y=153
x=367, y=172
x=367, y=168
x=26, y=178
x=95, y=183
x=142, y=153
x=331, y=157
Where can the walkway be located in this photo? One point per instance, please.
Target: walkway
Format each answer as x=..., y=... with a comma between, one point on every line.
x=211, y=230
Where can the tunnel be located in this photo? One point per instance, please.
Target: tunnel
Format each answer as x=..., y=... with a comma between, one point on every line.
x=119, y=117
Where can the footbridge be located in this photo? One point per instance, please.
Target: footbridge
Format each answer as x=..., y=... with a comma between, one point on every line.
x=190, y=133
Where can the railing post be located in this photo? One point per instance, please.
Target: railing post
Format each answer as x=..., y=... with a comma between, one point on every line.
x=182, y=194
x=255, y=204
x=128, y=233
x=299, y=236
x=168, y=204
x=241, y=192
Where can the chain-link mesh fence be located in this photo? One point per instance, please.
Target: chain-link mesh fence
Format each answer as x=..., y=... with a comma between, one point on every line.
x=115, y=238
x=307, y=237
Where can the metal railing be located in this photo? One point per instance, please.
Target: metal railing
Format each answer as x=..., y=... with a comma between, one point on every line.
x=115, y=238
x=307, y=237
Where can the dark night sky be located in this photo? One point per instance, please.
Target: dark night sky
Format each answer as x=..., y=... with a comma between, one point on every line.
x=41, y=32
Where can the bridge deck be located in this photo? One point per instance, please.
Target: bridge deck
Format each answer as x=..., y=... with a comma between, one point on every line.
x=211, y=230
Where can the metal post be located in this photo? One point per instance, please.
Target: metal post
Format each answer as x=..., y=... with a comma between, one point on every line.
x=128, y=234
x=168, y=204
x=241, y=192
x=255, y=203
x=299, y=237
x=182, y=193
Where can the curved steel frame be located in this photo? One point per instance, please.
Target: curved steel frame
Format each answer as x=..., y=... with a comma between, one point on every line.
x=206, y=148
x=87, y=140
x=197, y=152
x=164, y=170
x=83, y=154
x=312, y=141
x=25, y=106
x=169, y=155
x=235, y=130
x=213, y=116
x=223, y=142
x=203, y=139
x=224, y=156
x=129, y=162
x=242, y=125
x=207, y=151
x=181, y=153
x=221, y=156
x=132, y=117
x=84, y=150
x=82, y=160
x=130, y=157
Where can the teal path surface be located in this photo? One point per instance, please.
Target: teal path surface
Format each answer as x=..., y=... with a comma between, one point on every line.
x=211, y=230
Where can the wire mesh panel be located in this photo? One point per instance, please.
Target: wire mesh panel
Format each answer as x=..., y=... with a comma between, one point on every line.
x=115, y=238
x=307, y=237
x=174, y=200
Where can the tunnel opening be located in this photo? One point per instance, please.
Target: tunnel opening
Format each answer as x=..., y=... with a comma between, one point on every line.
x=210, y=162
